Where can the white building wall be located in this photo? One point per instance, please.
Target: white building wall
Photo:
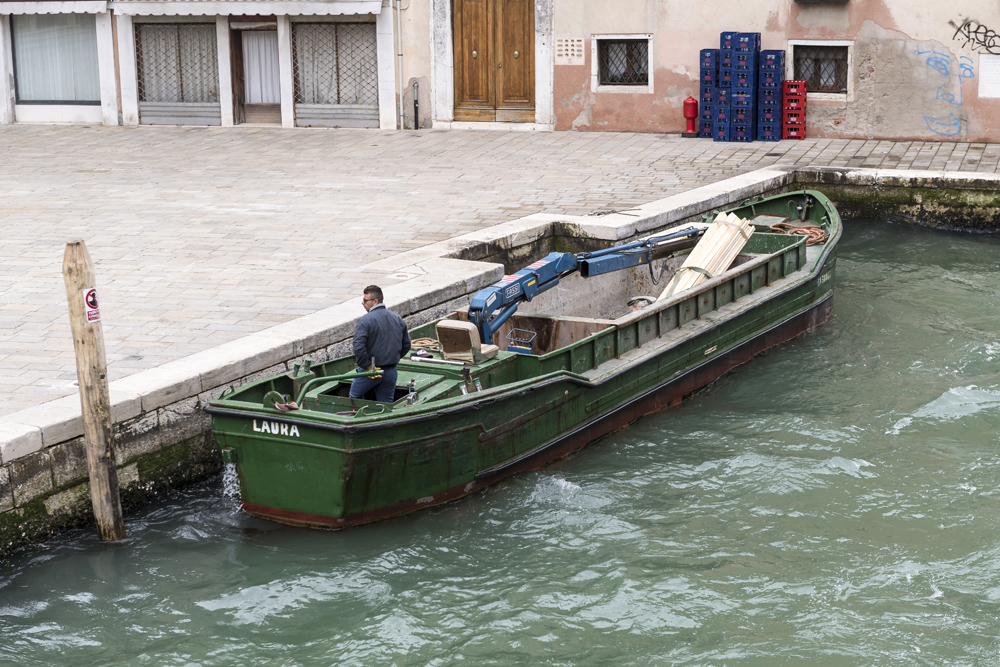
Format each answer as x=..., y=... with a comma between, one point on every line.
x=285, y=73
x=106, y=66
x=127, y=70
x=385, y=46
x=224, y=50
x=442, y=62
x=6, y=73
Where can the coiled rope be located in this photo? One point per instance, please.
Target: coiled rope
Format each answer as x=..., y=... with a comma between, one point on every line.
x=815, y=234
x=425, y=344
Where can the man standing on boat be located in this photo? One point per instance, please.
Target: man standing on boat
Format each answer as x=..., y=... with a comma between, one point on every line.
x=381, y=339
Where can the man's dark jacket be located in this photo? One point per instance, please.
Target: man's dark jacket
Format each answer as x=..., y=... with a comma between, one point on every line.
x=381, y=335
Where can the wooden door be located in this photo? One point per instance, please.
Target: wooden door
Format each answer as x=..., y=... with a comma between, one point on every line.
x=236, y=54
x=494, y=60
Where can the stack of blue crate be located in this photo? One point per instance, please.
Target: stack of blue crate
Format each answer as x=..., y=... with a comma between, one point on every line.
x=709, y=80
x=744, y=99
x=770, y=74
x=721, y=113
x=721, y=103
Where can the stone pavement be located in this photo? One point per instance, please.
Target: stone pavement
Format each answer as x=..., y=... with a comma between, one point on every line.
x=203, y=235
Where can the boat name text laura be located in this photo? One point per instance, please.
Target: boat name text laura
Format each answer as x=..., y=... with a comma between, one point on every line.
x=276, y=428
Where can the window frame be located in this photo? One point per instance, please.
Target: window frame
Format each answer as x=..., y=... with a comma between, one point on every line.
x=16, y=85
x=633, y=88
x=829, y=97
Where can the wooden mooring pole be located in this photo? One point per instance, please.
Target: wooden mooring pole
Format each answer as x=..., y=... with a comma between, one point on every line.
x=92, y=373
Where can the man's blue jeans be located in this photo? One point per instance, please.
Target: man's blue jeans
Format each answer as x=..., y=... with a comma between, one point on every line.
x=385, y=386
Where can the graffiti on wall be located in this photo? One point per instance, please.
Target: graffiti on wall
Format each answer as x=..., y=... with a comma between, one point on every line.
x=949, y=68
x=976, y=36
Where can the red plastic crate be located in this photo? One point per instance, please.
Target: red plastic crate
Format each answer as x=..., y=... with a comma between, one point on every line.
x=793, y=116
x=796, y=102
x=794, y=87
x=793, y=131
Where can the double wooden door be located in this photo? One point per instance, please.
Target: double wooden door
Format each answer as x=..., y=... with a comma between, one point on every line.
x=494, y=60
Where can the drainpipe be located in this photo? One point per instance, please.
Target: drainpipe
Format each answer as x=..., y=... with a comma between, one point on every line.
x=416, y=107
x=399, y=58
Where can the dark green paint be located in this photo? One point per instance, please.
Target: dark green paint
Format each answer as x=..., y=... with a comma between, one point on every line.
x=342, y=465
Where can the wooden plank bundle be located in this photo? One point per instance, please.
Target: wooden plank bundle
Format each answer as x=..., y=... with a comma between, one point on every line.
x=713, y=255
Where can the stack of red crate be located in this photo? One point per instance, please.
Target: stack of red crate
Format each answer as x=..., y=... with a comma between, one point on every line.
x=793, y=110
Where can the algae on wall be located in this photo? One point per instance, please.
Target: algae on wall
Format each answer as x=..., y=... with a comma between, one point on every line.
x=940, y=208
x=142, y=479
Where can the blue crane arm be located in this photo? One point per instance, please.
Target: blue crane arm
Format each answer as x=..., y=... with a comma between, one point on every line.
x=490, y=307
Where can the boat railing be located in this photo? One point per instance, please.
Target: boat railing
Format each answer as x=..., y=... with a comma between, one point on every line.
x=775, y=256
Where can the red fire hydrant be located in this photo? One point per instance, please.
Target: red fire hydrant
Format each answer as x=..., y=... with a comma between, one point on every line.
x=690, y=113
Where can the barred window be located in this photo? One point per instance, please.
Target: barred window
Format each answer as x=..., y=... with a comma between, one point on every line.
x=823, y=68
x=177, y=62
x=623, y=62
x=335, y=63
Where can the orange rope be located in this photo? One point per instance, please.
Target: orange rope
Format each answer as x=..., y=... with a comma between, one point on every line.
x=816, y=234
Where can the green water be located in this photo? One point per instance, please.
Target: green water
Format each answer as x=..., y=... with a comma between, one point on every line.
x=834, y=502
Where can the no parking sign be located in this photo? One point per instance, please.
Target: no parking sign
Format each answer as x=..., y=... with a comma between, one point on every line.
x=90, y=308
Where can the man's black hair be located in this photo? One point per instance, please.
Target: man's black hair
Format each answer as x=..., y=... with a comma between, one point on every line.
x=374, y=291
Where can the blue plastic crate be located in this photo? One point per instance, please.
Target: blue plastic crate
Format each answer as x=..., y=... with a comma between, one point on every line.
x=747, y=42
x=743, y=115
x=709, y=57
x=743, y=101
x=745, y=77
x=705, y=113
x=745, y=60
x=742, y=132
x=768, y=131
x=771, y=60
x=742, y=89
x=721, y=113
x=726, y=58
x=707, y=94
x=769, y=95
x=725, y=77
x=709, y=76
x=727, y=40
x=770, y=79
x=769, y=112
x=720, y=131
x=722, y=96
x=705, y=129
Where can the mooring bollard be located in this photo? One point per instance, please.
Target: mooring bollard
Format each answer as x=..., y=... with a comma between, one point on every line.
x=92, y=373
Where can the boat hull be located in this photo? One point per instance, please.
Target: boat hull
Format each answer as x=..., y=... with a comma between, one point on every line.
x=322, y=467
x=669, y=394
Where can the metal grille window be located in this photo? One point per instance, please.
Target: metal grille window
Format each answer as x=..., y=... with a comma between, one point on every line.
x=623, y=62
x=177, y=62
x=335, y=63
x=823, y=68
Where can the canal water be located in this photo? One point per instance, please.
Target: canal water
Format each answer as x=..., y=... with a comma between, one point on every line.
x=835, y=502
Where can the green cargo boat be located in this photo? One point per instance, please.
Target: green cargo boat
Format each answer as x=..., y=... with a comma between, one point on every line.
x=568, y=366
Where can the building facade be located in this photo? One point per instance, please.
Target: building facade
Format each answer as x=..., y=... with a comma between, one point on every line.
x=878, y=69
x=199, y=62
